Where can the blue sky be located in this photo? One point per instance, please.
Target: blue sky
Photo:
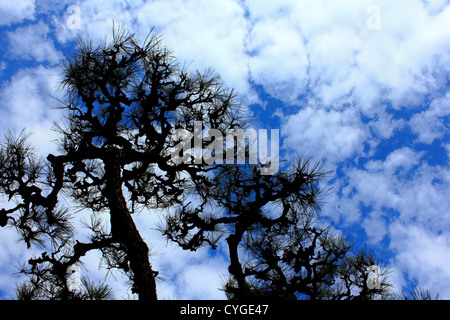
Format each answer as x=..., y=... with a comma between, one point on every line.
x=361, y=84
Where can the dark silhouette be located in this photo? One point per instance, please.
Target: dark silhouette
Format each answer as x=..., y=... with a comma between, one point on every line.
x=279, y=246
x=124, y=101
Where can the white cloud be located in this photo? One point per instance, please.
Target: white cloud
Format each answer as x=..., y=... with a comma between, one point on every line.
x=424, y=255
x=375, y=227
x=435, y=6
x=407, y=203
x=27, y=104
x=207, y=34
x=399, y=57
x=184, y=274
x=447, y=148
x=334, y=75
x=405, y=183
x=429, y=124
x=384, y=125
x=399, y=162
x=292, y=46
x=333, y=135
x=95, y=17
x=343, y=56
x=33, y=42
x=200, y=278
x=24, y=104
x=13, y=254
x=201, y=33
x=402, y=190
x=16, y=11
x=3, y=66
x=278, y=59
x=425, y=200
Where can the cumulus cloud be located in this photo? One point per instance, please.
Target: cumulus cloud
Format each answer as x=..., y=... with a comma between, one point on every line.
x=399, y=162
x=204, y=34
x=33, y=42
x=402, y=188
x=423, y=254
x=278, y=59
x=16, y=11
x=432, y=123
x=183, y=274
x=327, y=47
x=333, y=135
x=2, y=67
x=13, y=253
x=28, y=102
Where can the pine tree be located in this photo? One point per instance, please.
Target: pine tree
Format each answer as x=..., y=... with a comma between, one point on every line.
x=120, y=152
x=279, y=245
x=123, y=101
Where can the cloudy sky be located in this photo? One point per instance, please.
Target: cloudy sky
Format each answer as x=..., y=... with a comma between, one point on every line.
x=362, y=84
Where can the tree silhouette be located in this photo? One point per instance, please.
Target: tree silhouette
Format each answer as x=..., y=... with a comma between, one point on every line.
x=125, y=101
x=279, y=246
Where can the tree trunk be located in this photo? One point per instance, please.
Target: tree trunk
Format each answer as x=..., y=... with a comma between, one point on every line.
x=123, y=230
x=235, y=267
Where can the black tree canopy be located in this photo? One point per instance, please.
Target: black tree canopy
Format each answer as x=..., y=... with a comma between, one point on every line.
x=124, y=102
